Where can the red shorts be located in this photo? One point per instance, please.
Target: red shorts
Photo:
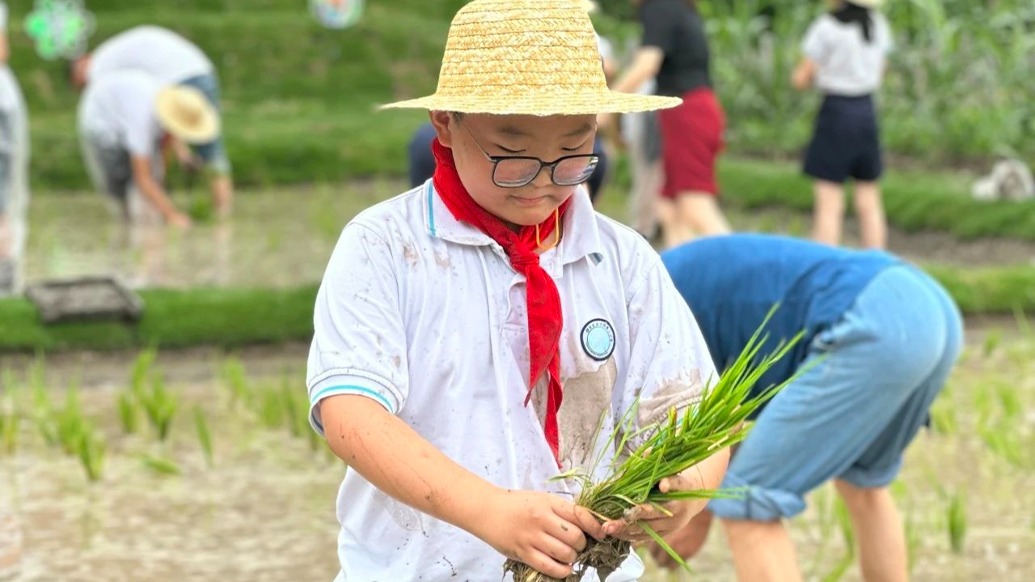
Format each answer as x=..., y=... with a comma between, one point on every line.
x=691, y=139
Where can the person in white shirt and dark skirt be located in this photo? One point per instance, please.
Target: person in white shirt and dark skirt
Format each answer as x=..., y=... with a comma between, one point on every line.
x=845, y=54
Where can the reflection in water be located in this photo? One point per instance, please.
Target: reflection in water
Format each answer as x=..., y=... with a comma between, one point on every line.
x=276, y=238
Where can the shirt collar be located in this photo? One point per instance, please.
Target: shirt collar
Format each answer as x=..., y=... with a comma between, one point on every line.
x=581, y=233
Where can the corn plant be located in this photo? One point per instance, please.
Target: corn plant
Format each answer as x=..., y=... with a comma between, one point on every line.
x=717, y=421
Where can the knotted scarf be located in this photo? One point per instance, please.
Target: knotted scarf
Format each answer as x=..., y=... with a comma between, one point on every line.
x=544, y=303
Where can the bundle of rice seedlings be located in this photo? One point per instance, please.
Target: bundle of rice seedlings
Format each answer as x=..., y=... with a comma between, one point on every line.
x=686, y=438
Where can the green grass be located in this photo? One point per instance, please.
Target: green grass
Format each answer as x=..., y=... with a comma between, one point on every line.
x=237, y=317
x=222, y=317
x=914, y=201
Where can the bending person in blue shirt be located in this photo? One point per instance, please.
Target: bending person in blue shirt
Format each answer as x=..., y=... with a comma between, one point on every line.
x=881, y=339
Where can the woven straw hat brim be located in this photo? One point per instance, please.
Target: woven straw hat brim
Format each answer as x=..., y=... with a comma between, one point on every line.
x=867, y=3
x=186, y=114
x=610, y=102
x=526, y=57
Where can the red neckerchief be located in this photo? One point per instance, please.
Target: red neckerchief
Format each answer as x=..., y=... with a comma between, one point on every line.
x=544, y=303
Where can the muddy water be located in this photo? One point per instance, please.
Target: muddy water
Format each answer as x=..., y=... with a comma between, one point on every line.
x=283, y=237
x=264, y=511
x=276, y=238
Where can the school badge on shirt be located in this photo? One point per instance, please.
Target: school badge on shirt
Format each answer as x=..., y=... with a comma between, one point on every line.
x=598, y=339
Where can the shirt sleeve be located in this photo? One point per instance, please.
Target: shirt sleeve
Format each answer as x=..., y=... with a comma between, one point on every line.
x=359, y=344
x=669, y=365
x=814, y=45
x=659, y=26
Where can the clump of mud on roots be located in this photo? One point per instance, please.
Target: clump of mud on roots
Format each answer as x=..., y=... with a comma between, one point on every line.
x=604, y=556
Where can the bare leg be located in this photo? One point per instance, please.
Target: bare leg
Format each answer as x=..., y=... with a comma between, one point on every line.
x=873, y=225
x=645, y=195
x=828, y=212
x=222, y=194
x=879, y=531
x=700, y=212
x=673, y=230
x=762, y=551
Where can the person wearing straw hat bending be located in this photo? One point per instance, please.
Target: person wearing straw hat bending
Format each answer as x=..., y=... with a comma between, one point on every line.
x=123, y=118
x=173, y=60
x=482, y=333
x=881, y=339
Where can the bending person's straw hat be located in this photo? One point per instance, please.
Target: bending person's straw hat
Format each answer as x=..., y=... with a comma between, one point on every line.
x=186, y=113
x=532, y=57
x=867, y=3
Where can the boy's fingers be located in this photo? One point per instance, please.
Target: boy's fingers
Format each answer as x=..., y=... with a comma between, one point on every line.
x=589, y=523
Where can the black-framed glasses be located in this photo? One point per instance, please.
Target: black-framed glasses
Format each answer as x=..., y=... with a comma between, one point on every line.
x=518, y=171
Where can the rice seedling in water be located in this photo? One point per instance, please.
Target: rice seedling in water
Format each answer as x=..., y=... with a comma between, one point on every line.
x=10, y=424
x=271, y=408
x=129, y=414
x=236, y=381
x=943, y=416
x=717, y=421
x=142, y=370
x=160, y=465
x=90, y=449
x=956, y=523
x=204, y=434
x=992, y=341
x=1010, y=400
x=844, y=523
x=160, y=406
x=70, y=422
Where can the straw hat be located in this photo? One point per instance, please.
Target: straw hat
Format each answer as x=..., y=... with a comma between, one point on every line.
x=867, y=3
x=186, y=113
x=532, y=57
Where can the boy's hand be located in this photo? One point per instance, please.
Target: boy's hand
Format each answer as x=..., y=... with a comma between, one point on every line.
x=539, y=529
x=675, y=516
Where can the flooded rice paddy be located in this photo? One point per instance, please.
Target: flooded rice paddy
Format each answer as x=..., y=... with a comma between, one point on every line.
x=240, y=490
x=262, y=508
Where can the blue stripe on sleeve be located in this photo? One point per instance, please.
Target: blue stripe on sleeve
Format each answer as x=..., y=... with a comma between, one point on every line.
x=350, y=390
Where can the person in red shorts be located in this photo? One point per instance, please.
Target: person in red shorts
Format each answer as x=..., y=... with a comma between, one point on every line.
x=674, y=50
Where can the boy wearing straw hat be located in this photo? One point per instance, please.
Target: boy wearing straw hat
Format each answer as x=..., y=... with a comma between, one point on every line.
x=122, y=119
x=481, y=334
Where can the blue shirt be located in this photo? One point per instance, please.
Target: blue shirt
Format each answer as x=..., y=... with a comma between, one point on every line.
x=731, y=282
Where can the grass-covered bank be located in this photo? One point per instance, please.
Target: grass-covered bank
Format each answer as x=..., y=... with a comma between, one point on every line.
x=238, y=317
x=299, y=99
x=914, y=200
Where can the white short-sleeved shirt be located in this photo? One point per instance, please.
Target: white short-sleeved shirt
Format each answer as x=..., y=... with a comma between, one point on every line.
x=424, y=314
x=847, y=64
x=160, y=52
x=119, y=110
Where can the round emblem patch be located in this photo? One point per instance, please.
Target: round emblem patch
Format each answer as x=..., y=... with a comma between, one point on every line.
x=598, y=339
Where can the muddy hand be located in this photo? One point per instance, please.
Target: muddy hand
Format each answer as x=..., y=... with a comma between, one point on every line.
x=539, y=529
